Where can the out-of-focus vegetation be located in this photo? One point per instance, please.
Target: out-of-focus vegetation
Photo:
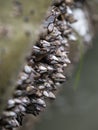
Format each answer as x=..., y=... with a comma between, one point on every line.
x=19, y=21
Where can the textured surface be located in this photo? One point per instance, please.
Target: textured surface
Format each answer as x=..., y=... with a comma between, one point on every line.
x=44, y=70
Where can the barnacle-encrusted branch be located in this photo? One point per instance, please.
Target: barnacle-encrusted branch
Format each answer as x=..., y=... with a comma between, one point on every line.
x=44, y=70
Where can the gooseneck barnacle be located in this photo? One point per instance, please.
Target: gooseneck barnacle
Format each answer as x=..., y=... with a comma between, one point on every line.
x=44, y=70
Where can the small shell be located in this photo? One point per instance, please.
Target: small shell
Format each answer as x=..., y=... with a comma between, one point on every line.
x=56, y=43
x=50, y=68
x=18, y=93
x=38, y=108
x=23, y=76
x=27, y=69
x=41, y=102
x=39, y=93
x=64, y=54
x=69, y=11
x=72, y=37
x=57, y=84
x=25, y=100
x=53, y=57
x=55, y=32
x=42, y=68
x=41, y=87
x=17, y=101
x=64, y=65
x=35, y=50
x=67, y=60
x=51, y=95
x=44, y=43
x=13, y=123
x=45, y=93
x=47, y=85
x=60, y=70
x=9, y=114
x=19, y=82
x=29, y=88
x=19, y=108
x=59, y=77
x=50, y=27
x=50, y=19
x=10, y=103
x=64, y=41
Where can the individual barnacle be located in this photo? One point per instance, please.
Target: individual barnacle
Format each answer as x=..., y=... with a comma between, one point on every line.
x=27, y=69
x=10, y=103
x=58, y=77
x=9, y=114
x=42, y=68
x=19, y=93
x=45, y=93
x=41, y=102
x=44, y=43
x=51, y=95
x=19, y=109
x=23, y=76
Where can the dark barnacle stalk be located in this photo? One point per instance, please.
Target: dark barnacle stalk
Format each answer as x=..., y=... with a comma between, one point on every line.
x=45, y=67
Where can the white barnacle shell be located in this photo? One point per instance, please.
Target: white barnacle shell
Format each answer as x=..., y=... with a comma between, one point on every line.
x=11, y=103
x=54, y=58
x=21, y=108
x=45, y=43
x=64, y=54
x=50, y=27
x=60, y=75
x=29, y=88
x=17, y=101
x=25, y=100
x=41, y=102
x=41, y=87
x=69, y=11
x=45, y=93
x=55, y=32
x=64, y=65
x=47, y=85
x=23, y=76
x=60, y=70
x=9, y=114
x=50, y=68
x=13, y=122
x=67, y=60
x=72, y=37
x=36, y=48
x=19, y=82
x=38, y=108
x=27, y=69
x=57, y=84
x=51, y=95
x=42, y=68
x=64, y=41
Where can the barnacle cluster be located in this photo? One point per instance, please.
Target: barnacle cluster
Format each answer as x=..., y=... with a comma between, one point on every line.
x=44, y=70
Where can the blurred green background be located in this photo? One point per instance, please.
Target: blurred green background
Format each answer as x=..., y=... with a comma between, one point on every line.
x=19, y=23
x=76, y=106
